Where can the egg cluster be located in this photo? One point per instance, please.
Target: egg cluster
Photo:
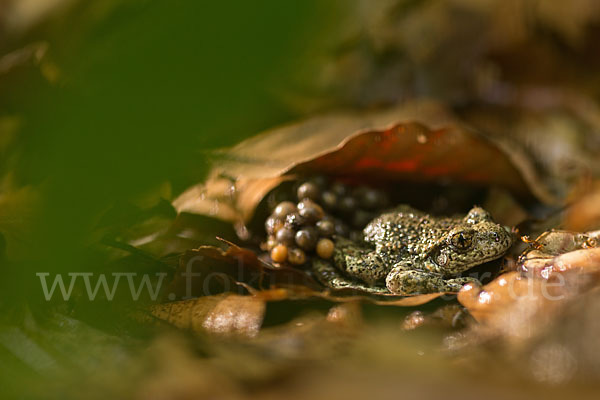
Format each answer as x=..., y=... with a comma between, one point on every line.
x=322, y=211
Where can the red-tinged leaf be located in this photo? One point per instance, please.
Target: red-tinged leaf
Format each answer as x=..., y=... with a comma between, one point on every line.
x=417, y=142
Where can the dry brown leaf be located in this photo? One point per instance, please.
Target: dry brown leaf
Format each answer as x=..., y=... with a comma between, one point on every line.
x=559, y=266
x=585, y=260
x=510, y=297
x=230, y=314
x=224, y=314
x=584, y=214
x=514, y=303
x=173, y=371
x=209, y=270
x=418, y=142
x=295, y=292
x=559, y=251
x=549, y=133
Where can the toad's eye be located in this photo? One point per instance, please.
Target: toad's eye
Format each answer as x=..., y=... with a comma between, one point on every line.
x=462, y=240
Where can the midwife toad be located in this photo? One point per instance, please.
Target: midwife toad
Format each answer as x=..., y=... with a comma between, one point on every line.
x=409, y=252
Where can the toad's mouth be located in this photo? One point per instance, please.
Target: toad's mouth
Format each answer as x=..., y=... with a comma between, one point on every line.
x=486, y=259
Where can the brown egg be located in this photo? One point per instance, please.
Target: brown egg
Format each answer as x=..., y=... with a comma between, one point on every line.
x=320, y=180
x=372, y=199
x=339, y=189
x=325, y=248
x=271, y=242
x=294, y=221
x=341, y=228
x=283, y=209
x=310, y=210
x=272, y=225
x=308, y=190
x=361, y=218
x=279, y=253
x=296, y=256
x=348, y=204
x=326, y=227
x=285, y=236
x=329, y=200
x=307, y=238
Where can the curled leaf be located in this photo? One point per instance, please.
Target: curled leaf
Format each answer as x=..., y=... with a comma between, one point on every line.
x=510, y=299
x=559, y=251
x=559, y=266
x=417, y=142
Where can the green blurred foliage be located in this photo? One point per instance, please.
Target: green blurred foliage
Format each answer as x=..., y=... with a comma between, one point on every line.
x=142, y=93
x=145, y=89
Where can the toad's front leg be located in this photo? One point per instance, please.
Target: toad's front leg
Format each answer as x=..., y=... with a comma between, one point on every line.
x=406, y=279
x=359, y=262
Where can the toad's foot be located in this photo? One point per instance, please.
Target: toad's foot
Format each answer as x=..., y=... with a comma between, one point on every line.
x=405, y=281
